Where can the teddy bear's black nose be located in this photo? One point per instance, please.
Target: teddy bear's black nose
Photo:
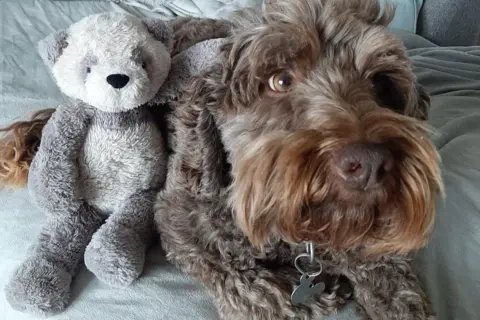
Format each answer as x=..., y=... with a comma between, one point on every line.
x=118, y=81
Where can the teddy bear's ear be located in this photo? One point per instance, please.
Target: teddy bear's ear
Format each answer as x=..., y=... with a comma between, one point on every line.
x=160, y=30
x=50, y=48
x=185, y=65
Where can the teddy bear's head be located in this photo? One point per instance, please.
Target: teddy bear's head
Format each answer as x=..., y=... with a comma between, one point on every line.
x=111, y=61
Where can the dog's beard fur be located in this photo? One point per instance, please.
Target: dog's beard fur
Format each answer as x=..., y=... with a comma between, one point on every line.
x=354, y=84
x=285, y=183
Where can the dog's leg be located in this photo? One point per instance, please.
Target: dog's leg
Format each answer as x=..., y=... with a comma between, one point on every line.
x=200, y=238
x=116, y=254
x=389, y=290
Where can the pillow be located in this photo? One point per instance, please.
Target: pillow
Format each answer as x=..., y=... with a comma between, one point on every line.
x=406, y=14
x=405, y=17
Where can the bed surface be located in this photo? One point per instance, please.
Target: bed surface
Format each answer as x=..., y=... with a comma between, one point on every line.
x=449, y=266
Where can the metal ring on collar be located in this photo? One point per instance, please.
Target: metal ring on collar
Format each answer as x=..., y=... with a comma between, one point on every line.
x=300, y=269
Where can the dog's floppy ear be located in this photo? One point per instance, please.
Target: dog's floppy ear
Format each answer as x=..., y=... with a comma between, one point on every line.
x=160, y=30
x=50, y=48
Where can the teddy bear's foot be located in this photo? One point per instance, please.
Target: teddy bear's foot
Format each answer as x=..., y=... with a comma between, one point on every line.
x=115, y=255
x=40, y=287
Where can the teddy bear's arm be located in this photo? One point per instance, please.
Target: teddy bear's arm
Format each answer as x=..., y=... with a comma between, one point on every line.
x=54, y=171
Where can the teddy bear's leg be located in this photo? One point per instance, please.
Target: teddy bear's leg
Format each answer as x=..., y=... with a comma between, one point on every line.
x=116, y=254
x=41, y=285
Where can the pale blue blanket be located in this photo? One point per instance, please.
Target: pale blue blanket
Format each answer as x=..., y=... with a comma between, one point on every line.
x=405, y=16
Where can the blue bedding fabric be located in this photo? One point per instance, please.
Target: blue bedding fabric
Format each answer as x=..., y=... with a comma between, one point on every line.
x=449, y=266
x=406, y=14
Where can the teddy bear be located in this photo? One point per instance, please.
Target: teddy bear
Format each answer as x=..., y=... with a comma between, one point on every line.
x=102, y=156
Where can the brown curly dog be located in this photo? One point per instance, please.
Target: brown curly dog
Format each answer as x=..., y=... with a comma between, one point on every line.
x=308, y=129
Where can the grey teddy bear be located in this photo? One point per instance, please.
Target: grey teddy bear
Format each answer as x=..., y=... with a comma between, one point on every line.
x=102, y=157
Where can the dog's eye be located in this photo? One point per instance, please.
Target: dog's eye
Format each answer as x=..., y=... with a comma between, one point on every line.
x=89, y=70
x=144, y=65
x=281, y=81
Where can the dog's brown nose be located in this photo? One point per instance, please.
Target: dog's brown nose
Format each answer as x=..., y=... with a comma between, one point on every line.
x=364, y=165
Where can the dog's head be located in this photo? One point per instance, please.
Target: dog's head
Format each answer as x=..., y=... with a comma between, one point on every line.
x=321, y=116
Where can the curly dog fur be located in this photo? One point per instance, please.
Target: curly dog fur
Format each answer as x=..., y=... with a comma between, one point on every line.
x=255, y=170
x=18, y=147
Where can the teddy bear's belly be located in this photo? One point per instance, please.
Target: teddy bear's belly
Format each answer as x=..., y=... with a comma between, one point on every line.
x=115, y=164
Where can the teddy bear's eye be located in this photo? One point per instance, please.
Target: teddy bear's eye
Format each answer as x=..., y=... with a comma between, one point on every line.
x=144, y=65
x=89, y=70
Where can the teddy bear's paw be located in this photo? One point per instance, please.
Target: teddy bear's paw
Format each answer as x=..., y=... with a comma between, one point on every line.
x=39, y=287
x=116, y=257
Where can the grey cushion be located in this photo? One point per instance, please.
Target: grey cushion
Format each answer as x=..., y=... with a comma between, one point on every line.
x=450, y=22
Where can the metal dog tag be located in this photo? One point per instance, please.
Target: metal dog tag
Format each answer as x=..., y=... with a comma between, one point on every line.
x=306, y=289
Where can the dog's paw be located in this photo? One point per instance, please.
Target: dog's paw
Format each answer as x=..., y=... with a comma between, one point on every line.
x=115, y=256
x=39, y=287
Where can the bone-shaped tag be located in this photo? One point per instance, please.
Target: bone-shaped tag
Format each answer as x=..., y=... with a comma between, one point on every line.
x=306, y=289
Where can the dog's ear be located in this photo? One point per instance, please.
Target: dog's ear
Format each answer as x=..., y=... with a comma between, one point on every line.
x=51, y=47
x=161, y=31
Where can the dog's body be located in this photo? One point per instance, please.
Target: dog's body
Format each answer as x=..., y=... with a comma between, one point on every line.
x=261, y=143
